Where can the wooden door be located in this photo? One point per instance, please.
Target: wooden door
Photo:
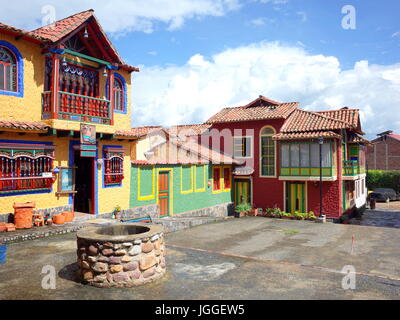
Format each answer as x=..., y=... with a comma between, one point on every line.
x=295, y=197
x=242, y=192
x=163, y=193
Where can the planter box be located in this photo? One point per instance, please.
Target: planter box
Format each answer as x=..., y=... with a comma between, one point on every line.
x=23, y=215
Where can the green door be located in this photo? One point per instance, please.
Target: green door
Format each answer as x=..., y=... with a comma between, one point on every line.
x=295, y=197
x=242, y=191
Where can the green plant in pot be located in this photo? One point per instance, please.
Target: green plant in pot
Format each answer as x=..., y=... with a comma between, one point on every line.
x=311, y=216
x=117, y=212
x=242, y=208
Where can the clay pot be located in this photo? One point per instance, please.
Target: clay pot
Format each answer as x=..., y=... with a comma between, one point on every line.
x=23, y=215
x=58, y=219
x=69, y=216
x=3, y=227
x=49, y=222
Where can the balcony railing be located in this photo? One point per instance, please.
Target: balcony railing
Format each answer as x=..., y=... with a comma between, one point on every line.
x=77, y=107
x=352, y=168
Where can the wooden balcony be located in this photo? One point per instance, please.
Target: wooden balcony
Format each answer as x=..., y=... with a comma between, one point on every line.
x=307, y=173
x=76, y=107
x=352, y=170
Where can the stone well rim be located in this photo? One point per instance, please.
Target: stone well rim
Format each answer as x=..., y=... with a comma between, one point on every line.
x=91, y=233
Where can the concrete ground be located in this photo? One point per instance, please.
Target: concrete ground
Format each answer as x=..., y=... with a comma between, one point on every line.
x=247, y=258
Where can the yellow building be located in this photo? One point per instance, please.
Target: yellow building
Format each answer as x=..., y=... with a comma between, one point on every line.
x=64, y=118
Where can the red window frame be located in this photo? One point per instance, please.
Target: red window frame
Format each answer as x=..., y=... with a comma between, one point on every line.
x=25, y=173
x=113, y=171
x=227, y=178
x=216, y=179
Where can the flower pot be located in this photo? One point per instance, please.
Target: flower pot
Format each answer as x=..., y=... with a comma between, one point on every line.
x=23, y=215
x=3, y=227
x=69, y=216
x=58, y=219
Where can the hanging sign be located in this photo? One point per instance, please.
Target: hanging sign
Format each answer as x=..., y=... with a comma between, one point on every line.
x=88, y=140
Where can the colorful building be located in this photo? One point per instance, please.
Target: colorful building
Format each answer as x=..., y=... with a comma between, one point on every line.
x=66, y=142
x=180, y=175
x=65, y=106
x=278, y=144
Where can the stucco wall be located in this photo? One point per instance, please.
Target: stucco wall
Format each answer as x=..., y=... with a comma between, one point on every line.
x=182, y=202
x=267, y=192
x=108, y=197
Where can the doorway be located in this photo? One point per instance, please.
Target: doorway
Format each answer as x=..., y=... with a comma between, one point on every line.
x=295, y=197
x=242, y=191
x=164, y=193
x=84, y=184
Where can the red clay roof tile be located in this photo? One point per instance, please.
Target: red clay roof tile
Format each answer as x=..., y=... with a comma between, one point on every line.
x=23, y=125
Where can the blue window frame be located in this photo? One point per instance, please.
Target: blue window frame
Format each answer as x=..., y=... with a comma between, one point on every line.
x=120, y=94
x=11, y=70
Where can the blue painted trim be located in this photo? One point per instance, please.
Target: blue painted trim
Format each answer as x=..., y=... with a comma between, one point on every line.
x=72, y=143
x=102, y=169
x=32, y=192
x=121, y=78
x=26, y=142
x=20, y=70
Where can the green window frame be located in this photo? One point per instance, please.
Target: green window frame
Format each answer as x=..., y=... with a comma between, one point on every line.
x=267, y=152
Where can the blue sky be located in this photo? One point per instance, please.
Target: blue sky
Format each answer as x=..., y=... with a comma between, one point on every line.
x=198, y=56
x=310, y=23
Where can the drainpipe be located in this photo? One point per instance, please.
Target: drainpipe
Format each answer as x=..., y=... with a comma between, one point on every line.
x=321, y=215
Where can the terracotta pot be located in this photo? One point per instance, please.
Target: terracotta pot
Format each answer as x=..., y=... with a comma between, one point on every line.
x=49, y=222
x=58, y=219
x=3, y=227
x=23, y=215
x=69, y=216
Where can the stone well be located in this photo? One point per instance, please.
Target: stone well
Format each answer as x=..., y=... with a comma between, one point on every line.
x=121, y=255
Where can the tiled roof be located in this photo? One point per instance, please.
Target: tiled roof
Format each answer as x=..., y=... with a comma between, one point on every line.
x=189, y=129
x=243, y=171
x=357, y=139
x=61, y=28
x=23, y=125
x=350, y=116
x=209, y=154
x=247, y=113
x=395, y=136
x=305, y=135
x=301, y=121
x=262, y=101
x=202, y=155
x=21, y=31
x=137, y=132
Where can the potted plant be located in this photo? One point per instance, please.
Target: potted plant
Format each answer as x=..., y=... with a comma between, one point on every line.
x=117, y=212
x=286, y=215
x=298, y=216
x=253, y=212
x=277, y=213
x=311, y=216
x=268, y=213
x=241, y=209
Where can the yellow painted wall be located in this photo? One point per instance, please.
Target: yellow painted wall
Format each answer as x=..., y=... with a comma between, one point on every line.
x=29, y=107
x=42, y=200
x=108, y=198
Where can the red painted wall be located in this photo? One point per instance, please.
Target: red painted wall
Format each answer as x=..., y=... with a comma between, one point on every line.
x=270, y=192
x=267, y=192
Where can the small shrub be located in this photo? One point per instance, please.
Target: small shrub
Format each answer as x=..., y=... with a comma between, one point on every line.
x=243, y=207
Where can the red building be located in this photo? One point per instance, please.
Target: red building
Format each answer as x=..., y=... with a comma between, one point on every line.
x=384, y=152
x=278, y=144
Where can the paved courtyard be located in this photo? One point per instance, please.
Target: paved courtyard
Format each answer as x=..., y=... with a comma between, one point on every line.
x=247, y=258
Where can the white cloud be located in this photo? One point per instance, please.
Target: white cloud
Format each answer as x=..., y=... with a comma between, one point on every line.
x=396, y=34
x=118, y=16
x=261, y=21
x=193, y=92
